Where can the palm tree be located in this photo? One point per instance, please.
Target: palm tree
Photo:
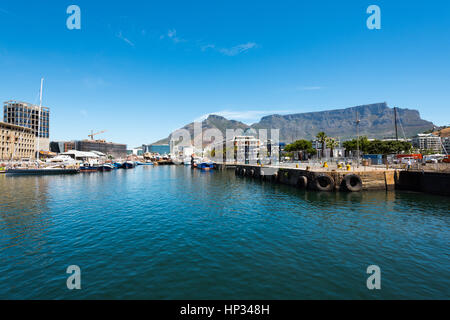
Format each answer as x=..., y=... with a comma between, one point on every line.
x=322, y=138
x=332, y=144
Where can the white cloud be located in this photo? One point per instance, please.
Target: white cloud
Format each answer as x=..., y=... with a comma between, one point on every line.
x=309, y=88
x=238, y=49
x=172, y=35
x=233, y=51
x=6, y=12
x=208, y=46
x=122, y=37
x=246, y=116
x=94, y=82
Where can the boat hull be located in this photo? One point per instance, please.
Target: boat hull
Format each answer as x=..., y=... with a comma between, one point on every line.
x=205, y=166
x=39, y=172
x=89, y=169
x=106, y=168
x=128, y=165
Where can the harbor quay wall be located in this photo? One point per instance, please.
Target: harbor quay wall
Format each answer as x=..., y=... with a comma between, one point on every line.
x=224, y=166
x=371, y=180
x=422, y=181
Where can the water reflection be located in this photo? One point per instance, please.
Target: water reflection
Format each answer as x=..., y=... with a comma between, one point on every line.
x=24, y=217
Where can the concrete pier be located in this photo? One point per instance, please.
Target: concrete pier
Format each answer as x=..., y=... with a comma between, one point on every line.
x=423, y=181
x=323, y=180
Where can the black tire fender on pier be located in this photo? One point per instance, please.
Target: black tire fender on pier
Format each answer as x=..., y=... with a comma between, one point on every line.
x=324, y=182
x=243, y=172
x=252, y=172
x=353, y=182
x=302, y=182
x=275, y=176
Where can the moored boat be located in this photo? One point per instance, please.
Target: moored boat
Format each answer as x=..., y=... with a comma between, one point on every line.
x=128, y=165
x=187, y=161
x=41, y=171
x=117, y=165
x=89, y=168
x=138, y=163
x=106, y=167
x=205, y=165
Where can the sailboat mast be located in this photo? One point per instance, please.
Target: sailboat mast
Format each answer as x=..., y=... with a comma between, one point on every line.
x=395, y=119
x=39, y=118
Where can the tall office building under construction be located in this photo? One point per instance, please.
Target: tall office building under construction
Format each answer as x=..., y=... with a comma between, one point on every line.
x=28, y=115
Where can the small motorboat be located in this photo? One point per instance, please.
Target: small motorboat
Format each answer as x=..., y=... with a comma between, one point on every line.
x=106, y=167
x=117, y=165
x=187, y=161
x=138, y=163
x=177, y=161
x=205, y=165
x=128, y=165
x=89, y=168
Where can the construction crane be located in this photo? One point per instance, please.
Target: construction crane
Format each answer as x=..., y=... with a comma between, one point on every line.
x=95, y=134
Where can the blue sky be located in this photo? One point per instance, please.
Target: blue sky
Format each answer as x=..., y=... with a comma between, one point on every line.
x=141, y=69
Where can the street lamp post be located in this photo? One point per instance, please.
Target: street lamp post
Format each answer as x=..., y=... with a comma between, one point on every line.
x=357, y=137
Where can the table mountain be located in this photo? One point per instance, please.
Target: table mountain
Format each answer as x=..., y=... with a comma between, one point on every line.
x=376, y=121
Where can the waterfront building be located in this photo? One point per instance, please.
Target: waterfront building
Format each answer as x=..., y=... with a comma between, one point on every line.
x=446, y=144
x=156, y=148
x=115, y=150
x=427, y=141
x=338, y=151
x=245, y=149
x=31, y=116
x=179, y=151
x=62, y=146
x=16, y=142
x=136, y=151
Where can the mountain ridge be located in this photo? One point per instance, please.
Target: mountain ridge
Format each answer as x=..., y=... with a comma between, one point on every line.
x=376, y=121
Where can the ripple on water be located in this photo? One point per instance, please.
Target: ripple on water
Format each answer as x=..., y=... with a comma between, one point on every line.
x=176, y=233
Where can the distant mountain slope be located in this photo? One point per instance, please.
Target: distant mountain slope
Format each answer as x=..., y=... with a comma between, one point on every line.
x=213, y=121
x=377, y=121
x=443, y=133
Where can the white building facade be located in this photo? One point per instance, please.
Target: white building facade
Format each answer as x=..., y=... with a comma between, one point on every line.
x=427, y=142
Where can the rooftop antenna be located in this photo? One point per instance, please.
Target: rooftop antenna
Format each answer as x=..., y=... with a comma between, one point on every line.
x=39, y=117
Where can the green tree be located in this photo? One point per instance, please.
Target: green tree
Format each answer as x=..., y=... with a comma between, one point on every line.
x=378, y=146
x=332, y=144
x=301, y=145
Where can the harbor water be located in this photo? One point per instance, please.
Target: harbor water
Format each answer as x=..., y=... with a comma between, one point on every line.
x=174, y=233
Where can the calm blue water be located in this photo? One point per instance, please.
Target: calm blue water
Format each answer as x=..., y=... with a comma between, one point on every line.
x=177, y=233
